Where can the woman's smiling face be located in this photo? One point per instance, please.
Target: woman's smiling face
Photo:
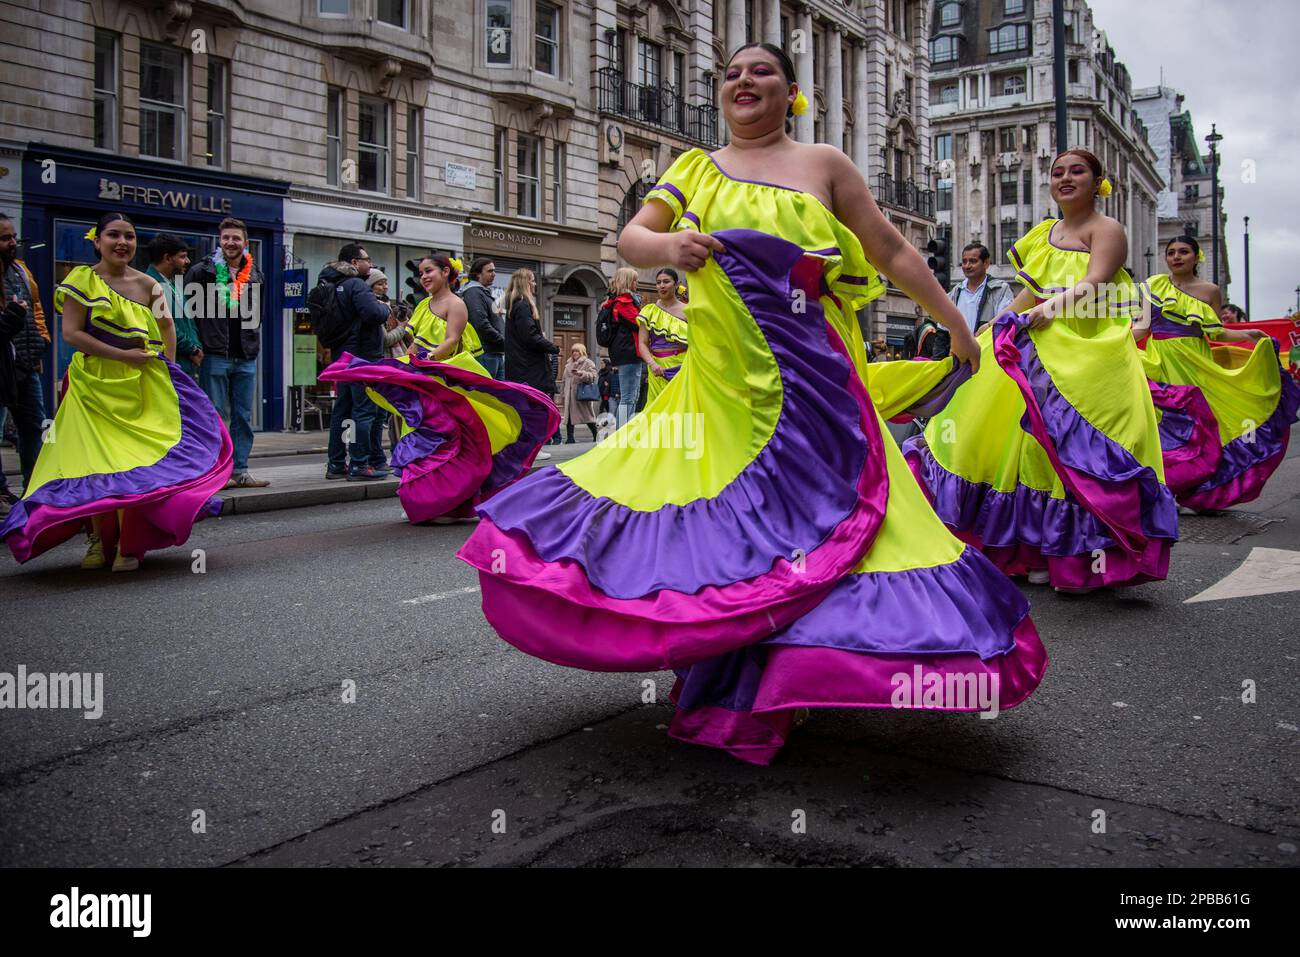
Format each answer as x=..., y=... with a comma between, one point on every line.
x=755, y=93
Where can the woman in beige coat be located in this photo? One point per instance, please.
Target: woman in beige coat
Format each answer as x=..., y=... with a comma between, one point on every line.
x=579, y=370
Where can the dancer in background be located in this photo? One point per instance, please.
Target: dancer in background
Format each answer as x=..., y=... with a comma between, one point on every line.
x=464, y=434
x=136, y=450
x=661, y=338
x=1222, y=444
x=1049, y=459
x=760, y=534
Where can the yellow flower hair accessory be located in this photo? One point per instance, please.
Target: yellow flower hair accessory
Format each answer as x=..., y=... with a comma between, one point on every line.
x=1200, y=255
x=92, y=234
x=681, y=289
x=456, y=264
x=1105, y=189
x=800, y=106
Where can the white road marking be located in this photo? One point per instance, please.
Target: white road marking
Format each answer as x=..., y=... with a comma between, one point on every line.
x=425, y=599
x=1266, y=571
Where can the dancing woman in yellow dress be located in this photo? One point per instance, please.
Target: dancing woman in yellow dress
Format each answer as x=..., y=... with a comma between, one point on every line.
x=1222, y=443
x=464, y=434
x=662, y=336
x=760, y=534
x=1049, y=459
x=136, y=450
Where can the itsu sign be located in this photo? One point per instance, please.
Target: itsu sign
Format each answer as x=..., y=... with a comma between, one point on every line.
x=377, y=224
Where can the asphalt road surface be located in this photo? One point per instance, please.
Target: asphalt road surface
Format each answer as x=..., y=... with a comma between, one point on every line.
x=226, y=736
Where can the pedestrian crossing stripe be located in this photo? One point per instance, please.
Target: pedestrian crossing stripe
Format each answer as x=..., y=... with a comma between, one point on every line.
x=1266, y=571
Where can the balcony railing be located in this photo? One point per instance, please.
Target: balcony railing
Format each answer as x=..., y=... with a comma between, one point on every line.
x=657, y=106
x=904, y=195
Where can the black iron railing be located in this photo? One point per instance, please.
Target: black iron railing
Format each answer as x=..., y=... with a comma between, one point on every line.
x=658, y=106
x=904, y=195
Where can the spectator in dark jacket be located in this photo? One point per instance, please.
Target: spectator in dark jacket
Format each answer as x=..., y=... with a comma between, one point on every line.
x=490, y=327
x=366, y=341
x=227, y=309
x=29, y=340
x=528, y=352
x=620, y=310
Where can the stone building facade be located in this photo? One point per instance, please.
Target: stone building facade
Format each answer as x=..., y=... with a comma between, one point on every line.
x=992, y=108
x=1186, y=205
x=524, y=130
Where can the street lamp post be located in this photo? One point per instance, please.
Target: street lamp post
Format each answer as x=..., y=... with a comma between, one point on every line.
x=1247, y=261
x=1147, y=254
x=1213, y=139
x=1297, y=299
x=1058, y=73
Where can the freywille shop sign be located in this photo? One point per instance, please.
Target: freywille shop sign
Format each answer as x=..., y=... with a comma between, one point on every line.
x=505, y=236
x=116, y=192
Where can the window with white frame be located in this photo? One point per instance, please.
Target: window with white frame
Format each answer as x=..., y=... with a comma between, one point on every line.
x=647, y=63
x=373, y=145
x=947, y=94
x=162, y=102
x=218, y=111
x=1013, y=85
x=414, y=135
x=105, y=90
x=528, y=175
x=950, y=14
x=943, y=49
x=498, y=32
x=557, y=182
x=942, y=147
x=392, y=12
x=499, y=171
x=333, y=135
x=1009, y=37
x=548, y=39
x=1014, y=7
x=1079, y=133
x=943, y=196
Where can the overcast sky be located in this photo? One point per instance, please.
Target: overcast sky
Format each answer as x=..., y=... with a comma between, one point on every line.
x=1238, y=64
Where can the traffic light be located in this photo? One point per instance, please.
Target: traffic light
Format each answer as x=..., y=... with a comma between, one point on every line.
x=939, y=260
x=415, y=292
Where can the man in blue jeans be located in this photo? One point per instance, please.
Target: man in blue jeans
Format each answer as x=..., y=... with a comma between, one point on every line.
x=22, y=394
x=223, y=295
x=368, y=315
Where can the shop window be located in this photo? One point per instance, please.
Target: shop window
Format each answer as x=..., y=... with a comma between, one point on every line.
x=373, y=145
x=218, y=111
x=414, y=137
x=548, y=39
x=162, y=102
x=528, y=176
x=392, y=12
x=498, y=32
x=105, y=90
x=333, y=135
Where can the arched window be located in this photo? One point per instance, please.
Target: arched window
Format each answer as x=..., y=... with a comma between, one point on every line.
x=1013, y=85
x=632, y=201
x=948, y=94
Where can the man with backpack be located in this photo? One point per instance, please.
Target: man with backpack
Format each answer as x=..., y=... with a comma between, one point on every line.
x=346, y=317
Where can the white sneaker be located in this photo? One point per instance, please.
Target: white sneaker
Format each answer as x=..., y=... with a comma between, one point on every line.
x=543, y=456
x=125, y=563
x=1039, y=576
